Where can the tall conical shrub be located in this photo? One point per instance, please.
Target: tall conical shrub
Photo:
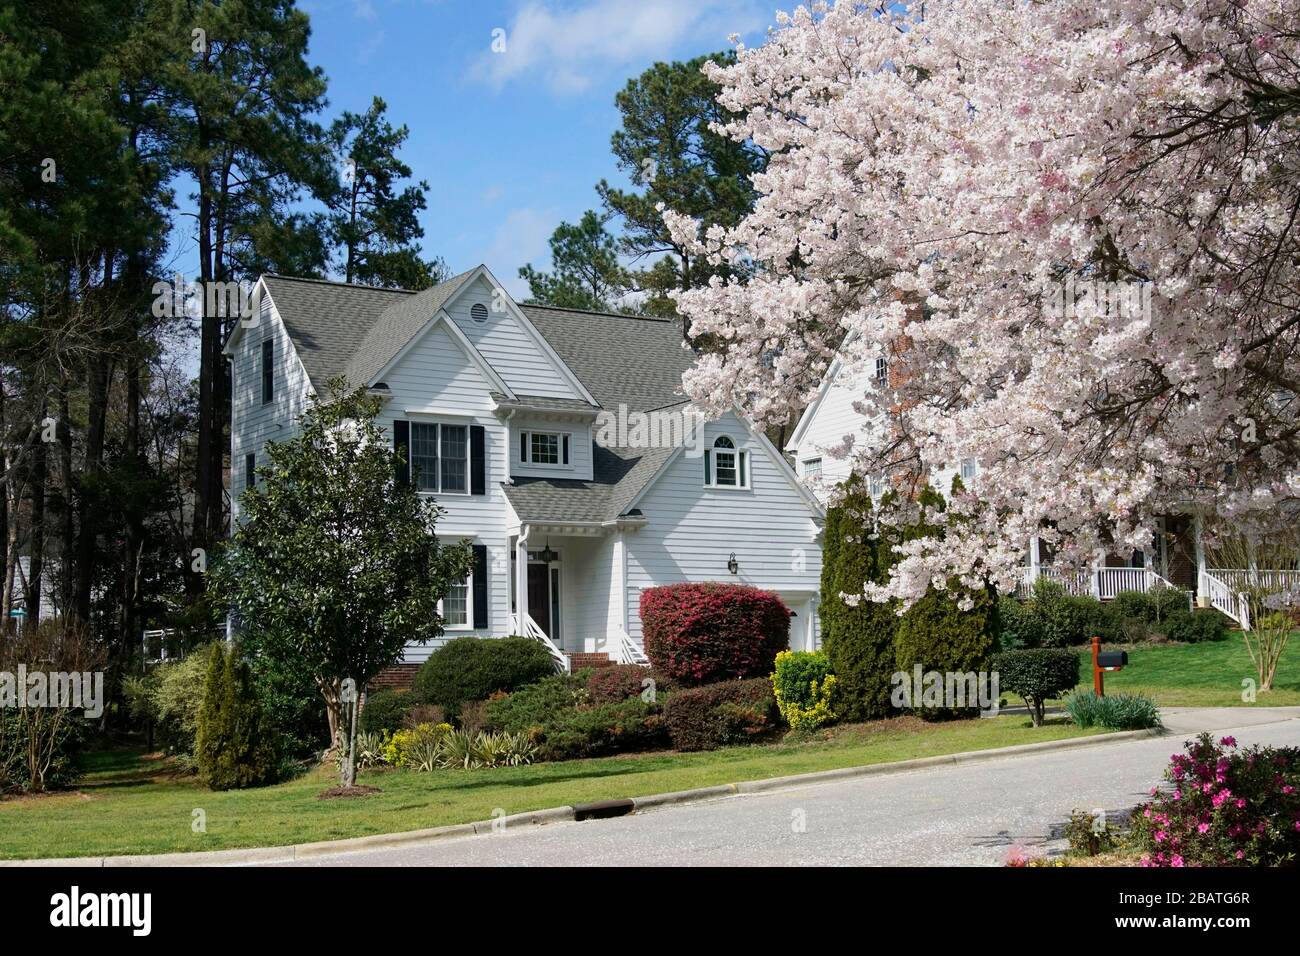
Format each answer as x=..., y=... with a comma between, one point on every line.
x=236, y=747
x=935, y=632
x=859, y=640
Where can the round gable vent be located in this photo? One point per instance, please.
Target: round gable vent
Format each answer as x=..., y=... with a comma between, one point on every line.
x=478, y=312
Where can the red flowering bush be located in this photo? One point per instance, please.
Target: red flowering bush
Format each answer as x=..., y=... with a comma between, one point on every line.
x=704, y=633
x=1224, y=807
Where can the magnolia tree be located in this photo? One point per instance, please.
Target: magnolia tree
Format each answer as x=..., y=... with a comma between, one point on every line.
x=1070, y=228
x=334, y=565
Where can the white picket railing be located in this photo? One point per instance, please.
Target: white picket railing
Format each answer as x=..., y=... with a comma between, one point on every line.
x=627, y=651
x=1240, y=579
x=531, y=629
x=1101, y=583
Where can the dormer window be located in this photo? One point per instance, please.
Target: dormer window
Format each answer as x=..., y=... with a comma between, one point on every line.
x=725, y=465
x=544, y=448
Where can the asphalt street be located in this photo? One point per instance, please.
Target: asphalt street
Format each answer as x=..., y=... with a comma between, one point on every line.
x=967, y=814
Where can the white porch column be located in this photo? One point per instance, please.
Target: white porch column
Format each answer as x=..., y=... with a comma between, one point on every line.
x=521, y=579
x=619, y=605
x=1198, y=547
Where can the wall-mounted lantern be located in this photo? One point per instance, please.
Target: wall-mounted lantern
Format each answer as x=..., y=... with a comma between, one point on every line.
x=732, y=564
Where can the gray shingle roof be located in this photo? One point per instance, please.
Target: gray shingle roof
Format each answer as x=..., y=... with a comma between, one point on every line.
x=350, y=330
x=397, y=326
x=621, y=359
x=328, y=320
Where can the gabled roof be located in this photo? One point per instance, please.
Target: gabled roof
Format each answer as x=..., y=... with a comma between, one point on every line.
x=328, y=321
x=397, y=325
x=620, y=360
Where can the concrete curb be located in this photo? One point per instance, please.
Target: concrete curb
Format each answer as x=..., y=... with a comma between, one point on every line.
x=303, y=851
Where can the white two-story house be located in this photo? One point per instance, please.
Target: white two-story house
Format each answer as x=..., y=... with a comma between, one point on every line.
x=502, y=412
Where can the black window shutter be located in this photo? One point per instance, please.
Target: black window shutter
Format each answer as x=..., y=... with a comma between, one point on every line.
x=480, y=586
x=565, y=459
x=477, y=461
x=402, y=447
x=523, y=446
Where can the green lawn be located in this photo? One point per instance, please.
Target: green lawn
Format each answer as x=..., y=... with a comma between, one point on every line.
x=1202, y=675
x=128, y=803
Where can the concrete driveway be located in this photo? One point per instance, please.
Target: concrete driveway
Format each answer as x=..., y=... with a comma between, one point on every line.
x=961, y=815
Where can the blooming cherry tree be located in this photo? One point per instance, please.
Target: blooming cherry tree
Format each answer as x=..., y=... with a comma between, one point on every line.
x=1072, y=229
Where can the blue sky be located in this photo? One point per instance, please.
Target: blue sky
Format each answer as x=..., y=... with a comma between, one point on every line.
x=511, y=143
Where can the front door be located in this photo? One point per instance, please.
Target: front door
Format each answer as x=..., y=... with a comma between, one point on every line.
x=539, y=596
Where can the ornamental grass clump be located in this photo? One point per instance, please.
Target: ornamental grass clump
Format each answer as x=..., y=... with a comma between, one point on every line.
x=1223, y=806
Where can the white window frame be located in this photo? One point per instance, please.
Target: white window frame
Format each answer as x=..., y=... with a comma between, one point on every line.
x=881, y=374
x=469, y=608
x=563, y=443
x=809, y=471
x=877, y=486
x=439, y=424
x=742, y=466
x=968, y=465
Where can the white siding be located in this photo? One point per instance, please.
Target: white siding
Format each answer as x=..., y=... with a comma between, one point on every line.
x=692, y=530
x=580, y=449
x=508, y=347
x=436, y=380
x=252, y=423
x=834, y=418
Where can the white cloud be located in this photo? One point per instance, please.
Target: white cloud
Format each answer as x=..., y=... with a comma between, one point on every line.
x=569, y=46
x=519, y=239
x=493, y=194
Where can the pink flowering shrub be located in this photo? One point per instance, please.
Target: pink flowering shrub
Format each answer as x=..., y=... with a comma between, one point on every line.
x=1222, y=806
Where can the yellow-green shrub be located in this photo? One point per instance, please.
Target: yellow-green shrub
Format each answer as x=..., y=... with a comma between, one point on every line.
x=803, y=685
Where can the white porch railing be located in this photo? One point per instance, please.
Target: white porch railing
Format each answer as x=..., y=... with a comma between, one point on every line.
x=1101, y=583
x=1240, y=579
x=627, y=651
x=531, y=629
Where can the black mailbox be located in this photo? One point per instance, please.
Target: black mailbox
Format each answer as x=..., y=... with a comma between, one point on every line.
x=1112, y=659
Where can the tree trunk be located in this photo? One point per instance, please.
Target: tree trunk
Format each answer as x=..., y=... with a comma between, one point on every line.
x=88, y=507
x=36, y=567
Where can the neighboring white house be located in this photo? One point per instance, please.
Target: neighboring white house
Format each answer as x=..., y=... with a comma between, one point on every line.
x=498, y=408
x=830, y=423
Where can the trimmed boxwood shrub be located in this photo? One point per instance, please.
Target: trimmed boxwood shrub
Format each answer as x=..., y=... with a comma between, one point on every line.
x=1193, y=627
x=803, y=684
x=385, y=710
x=857, y=638
x=610, y=685
x=734, y=712
x=1067, y=620
x=474, y=668
x=1037, y=674
x=703, y=633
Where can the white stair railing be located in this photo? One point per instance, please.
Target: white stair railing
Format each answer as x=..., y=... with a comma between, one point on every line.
x=1222, y=597
x=627, y=651
x=533, y=631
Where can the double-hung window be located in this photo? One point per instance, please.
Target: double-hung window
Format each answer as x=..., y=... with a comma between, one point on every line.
x=725, y=465
x=440, y=457
x=457, y=610
x=812, y=467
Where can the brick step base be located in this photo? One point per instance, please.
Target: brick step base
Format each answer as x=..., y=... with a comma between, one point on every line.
x=580, y=661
